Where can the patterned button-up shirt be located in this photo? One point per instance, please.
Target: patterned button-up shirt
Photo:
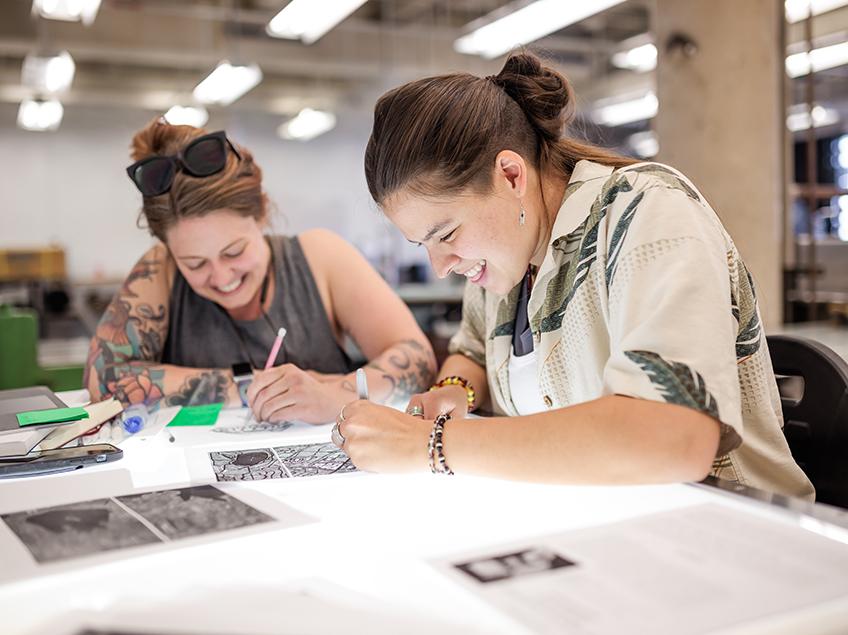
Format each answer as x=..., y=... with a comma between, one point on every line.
x=643, y=293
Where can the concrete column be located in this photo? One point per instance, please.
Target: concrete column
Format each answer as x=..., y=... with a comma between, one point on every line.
x=721, y=121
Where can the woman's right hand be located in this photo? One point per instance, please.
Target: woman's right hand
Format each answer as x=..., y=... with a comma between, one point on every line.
x=452, y=400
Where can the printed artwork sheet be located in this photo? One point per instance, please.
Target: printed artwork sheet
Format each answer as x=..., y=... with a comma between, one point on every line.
x=105, y=527
x=687, y=571
x=287, y=461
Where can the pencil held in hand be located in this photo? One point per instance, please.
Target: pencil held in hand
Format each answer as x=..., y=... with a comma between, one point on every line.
x=275, y=350
x=361, y=384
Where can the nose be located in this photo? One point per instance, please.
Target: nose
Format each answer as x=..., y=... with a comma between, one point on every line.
x=220, y=275
x=442, y=264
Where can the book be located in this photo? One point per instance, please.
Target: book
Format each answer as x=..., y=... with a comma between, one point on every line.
x=98, y=413
x=20, y=443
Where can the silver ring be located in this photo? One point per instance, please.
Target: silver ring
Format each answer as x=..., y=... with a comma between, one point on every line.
x=416, y=411
x=336, y=436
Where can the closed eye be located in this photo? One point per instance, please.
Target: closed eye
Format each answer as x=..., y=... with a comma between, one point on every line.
x=449, y=236
x=197, y=266
x=235, y=255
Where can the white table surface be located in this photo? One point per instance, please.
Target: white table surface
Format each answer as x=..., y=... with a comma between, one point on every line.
x=374, y=538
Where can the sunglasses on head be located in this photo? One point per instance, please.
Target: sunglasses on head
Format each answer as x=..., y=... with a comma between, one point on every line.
x=203, y=156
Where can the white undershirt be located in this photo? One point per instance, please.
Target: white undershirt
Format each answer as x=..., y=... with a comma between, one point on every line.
x=524, y=384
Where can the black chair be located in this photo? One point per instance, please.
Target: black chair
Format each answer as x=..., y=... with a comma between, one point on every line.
x=813, y=384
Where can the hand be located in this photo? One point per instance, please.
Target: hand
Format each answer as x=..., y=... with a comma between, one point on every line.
x=452, y=400
x=285, y=393
x=381, y=439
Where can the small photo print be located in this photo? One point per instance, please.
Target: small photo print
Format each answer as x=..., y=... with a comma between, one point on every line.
x=193, y=511
x=82, y=529
x=79, y=529
x=288, y=461
x=513, y=565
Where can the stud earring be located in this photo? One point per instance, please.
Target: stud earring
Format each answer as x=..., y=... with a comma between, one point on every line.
x=522, y=214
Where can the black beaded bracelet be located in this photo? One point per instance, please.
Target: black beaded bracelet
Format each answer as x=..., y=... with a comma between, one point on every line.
x=438, y=465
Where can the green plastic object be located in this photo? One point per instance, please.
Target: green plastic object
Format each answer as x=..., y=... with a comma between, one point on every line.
x=52, y=415
x=205, y=415
x=19, y=355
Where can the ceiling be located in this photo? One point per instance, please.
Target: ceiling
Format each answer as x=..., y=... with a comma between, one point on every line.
x=151, y=53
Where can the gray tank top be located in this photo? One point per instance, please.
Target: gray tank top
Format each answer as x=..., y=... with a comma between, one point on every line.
x=202, y=335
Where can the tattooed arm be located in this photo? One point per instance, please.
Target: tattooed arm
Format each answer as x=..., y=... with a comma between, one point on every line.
x=124, y=357
x=359, y=302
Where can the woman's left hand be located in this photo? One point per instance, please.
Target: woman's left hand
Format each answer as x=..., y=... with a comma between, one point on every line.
x=288, y=393
x=382, y=439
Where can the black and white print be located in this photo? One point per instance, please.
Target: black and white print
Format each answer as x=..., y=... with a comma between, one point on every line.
x=513, y=565
x=288, y=461
x=91, y=527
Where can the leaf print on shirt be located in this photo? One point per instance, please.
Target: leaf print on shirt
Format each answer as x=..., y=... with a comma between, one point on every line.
x=677, y=383
x=574, y=271
x=618, y=236
x=744, y=308
x=667, y=176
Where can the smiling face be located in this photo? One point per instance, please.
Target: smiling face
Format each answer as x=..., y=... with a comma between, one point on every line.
x=222, y=255
x=472, y=234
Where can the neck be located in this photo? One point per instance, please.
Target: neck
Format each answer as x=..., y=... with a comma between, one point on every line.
x=549, y=195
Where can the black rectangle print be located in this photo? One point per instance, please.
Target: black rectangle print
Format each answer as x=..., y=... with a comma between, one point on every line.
x=513, y=565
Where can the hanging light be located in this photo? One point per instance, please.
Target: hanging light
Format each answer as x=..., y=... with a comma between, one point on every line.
x=307, y=125
x=226, y=83
x=39, y=115
x=308, y=20
x=67, y=10
x=48, y=74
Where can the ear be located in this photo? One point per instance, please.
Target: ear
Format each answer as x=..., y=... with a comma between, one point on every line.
x=511, y=171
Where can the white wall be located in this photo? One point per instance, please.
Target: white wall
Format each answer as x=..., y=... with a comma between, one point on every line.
x=69, y=187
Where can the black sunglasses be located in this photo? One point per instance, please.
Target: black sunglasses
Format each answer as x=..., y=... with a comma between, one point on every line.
x=203, y=156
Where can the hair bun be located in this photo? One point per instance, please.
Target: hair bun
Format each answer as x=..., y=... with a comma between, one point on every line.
x=544, y=95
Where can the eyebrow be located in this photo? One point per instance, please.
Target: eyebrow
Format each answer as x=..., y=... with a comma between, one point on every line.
x=203, y=257
x=435, y=229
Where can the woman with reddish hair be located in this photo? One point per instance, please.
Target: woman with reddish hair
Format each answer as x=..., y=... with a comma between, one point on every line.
x=197, y=316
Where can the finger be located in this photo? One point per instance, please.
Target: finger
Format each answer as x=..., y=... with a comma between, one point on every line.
x=277, y=387
x=273, y=403
x=416, y=406
x=264, y=378
x=280, y=410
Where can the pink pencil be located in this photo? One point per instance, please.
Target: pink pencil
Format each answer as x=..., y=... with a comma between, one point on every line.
x=278, y=342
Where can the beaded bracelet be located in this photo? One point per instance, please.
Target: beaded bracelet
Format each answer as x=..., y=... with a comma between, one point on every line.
x=456, y=380
x=438, y=465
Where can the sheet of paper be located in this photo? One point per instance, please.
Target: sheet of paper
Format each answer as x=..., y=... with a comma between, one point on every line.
x=98, y=413
x=693, y=570
x=205, y=415
x=53, y=415
x=287, y=461
x=92, y=531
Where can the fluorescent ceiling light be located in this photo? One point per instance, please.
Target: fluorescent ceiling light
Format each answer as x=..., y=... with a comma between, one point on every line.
x=40, y=115
x=640, y=59
x=820, y=59
x=526, y=25
x=799, y=117
x=308, y=20
x=307, y=125
x=644, y=144
x=196, y=116
x=67, y=10
x=48, y=74
x=227, y=83
x=797, y=10
x=608, y=112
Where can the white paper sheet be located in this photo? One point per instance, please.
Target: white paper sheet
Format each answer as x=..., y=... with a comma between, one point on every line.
x=694, y=570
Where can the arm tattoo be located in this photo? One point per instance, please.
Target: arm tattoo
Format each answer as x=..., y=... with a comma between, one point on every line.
x=411, y=369
x=207, y=387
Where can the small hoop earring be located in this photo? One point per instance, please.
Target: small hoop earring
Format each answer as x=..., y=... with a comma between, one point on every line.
x=522, y=214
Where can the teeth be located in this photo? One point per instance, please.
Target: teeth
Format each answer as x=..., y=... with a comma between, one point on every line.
x=475, y=270
x=232, y=286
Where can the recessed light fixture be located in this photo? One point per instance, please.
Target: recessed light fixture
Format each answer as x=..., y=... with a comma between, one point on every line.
x=308, y=20
x=67, y=10
x=227, y=83
x=307, y=125
x=621, y=110
x=39, y=115
x=48, y=73
x=196, y=116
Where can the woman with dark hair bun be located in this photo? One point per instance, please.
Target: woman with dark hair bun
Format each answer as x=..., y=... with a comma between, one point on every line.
x=198, y=315
x=607, y=312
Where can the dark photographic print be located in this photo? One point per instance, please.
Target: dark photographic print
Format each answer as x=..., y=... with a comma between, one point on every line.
x=193, y=511
x=288, y=461
x=79, y=529
x=512, y=565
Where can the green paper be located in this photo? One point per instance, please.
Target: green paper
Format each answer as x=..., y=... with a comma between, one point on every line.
x=53, y=415
x=197, y=415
